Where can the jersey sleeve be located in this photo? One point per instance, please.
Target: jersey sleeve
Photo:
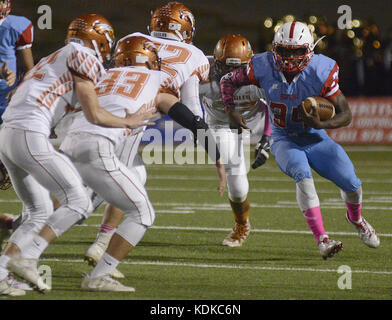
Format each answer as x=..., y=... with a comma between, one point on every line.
x=331, y=88
x=202, y=66
x=251, y=74
x=26, y=38
x=202, y=72
x=85, y=66
x=190, y=95
x=168, y=85
x=231, y=81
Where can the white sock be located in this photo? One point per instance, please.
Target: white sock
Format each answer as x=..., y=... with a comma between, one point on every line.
x=3, y=263
x=35, y=248
x=104, y=266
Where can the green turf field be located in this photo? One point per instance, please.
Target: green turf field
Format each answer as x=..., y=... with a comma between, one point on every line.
x=181, y=256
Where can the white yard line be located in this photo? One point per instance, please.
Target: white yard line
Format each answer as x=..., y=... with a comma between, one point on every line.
x=181, y=206
x=221, y=266
x=253, y=178
x=257, y=190
x=229, y=229
x=265, y=169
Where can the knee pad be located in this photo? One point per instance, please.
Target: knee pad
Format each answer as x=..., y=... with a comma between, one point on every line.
x=306, y=194
x=238, y=187
x=352, y=197
x=131, y=231
x=63, y=219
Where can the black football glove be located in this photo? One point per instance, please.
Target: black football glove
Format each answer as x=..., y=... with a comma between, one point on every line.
x=261, y=152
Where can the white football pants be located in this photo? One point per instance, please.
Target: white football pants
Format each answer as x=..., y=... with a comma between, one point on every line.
x=232, y=156
x=94, y=157
x=38, y=170
x=126, y=152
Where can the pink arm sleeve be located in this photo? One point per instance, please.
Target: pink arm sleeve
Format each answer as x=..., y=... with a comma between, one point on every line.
x=231, y=81
x=264, y=108
x=267, y=127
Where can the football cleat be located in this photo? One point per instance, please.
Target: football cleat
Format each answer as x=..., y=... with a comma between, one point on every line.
x=93, y=255
x=7, y=290
x=238, y=235
x=104, y=283
x=27, y=269
x=17, y=284
x=328, y=247
x=366, y=232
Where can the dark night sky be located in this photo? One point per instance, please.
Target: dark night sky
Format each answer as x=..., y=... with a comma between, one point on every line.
x=213, y=18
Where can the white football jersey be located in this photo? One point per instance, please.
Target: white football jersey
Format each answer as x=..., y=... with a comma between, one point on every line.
x=47, y=91
x=246, y=101
x=180, y=60
x=125, y=88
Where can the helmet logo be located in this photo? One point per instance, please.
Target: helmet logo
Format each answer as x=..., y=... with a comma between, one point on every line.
x=102, y=28
x=187, y=14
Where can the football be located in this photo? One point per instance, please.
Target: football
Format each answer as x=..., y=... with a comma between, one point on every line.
x=325, y=108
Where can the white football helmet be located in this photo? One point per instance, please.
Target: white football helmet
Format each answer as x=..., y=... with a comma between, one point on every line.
x=293, y=47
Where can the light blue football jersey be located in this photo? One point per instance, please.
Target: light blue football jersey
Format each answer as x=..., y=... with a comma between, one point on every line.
x=15, y=33
x=319, y=78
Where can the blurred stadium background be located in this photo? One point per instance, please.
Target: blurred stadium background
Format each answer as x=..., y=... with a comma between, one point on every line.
x=364, y=52
x=181, y=257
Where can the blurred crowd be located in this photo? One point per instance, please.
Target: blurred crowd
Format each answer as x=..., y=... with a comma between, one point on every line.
x=363, y=54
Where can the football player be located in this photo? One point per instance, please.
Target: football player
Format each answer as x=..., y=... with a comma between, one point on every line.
x=290, y=74
x=16, y=38
x=35, y=167
x=134, y=83
x=233, y=51
x=172, y=28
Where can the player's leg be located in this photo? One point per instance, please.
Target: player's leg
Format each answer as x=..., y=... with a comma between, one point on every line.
x=331, y=161
x=56, y=174
x=37, y=206
x=119, y=187
x=126, y=153
x=112, y=217
x=36, y=200
x=292, y=160
x=232, y=155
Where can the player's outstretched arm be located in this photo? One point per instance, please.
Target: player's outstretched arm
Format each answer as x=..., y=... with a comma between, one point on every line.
x=342, y=117
x=180, y=113
x=26, y=55
x=228, y=84
x=97, y=115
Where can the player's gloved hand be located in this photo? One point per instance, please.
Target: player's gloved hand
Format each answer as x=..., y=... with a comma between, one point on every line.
x=261, y=152
x=236, y=121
